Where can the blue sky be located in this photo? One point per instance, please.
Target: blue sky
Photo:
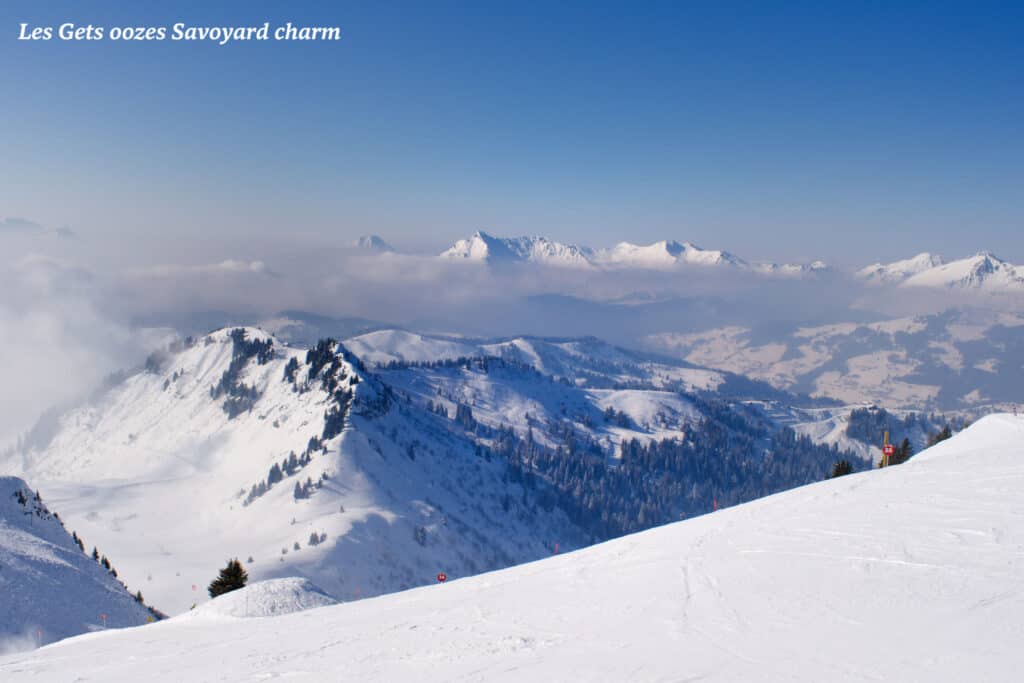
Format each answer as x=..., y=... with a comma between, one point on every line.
x=846, y=131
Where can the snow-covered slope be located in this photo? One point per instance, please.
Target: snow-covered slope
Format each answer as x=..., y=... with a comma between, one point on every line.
x=271, y=598
x=484, y=248
x=383, y=346
x=300, y=464
x=49, y=588
x=960, y=359
x=584, y=361
x=909, y=573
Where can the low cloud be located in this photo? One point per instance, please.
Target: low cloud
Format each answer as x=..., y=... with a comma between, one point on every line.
x=228, y=266
x=58, y=345
x=68, y=322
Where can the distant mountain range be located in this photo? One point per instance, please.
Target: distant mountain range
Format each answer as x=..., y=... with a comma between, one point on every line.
x=663, y=255
x=983, y=272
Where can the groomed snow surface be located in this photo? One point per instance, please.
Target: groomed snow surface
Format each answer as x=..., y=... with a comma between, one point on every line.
x=914, y=573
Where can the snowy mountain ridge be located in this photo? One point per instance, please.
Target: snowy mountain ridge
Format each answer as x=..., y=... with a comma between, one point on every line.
x=663, y=255
x=484, y=248
x=983, y=271
x=297, y=462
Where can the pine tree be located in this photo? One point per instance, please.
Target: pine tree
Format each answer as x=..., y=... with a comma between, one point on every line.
x=941, y=435
x=903, y=453
x=841, y=468
x=231, y=577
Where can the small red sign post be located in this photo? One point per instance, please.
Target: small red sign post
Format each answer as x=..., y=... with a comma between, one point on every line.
x=442, y=577
x=104, y=618
x=888, y=450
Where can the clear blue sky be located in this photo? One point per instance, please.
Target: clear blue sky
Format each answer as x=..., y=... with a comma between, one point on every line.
x=849, y=131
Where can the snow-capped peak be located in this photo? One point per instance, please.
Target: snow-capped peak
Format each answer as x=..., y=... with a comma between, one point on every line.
x=485, y=248
x=983, y=271
x=665, y=254
x=898, y=271
x=668, y=255
x=793, y=269
x=372, y=243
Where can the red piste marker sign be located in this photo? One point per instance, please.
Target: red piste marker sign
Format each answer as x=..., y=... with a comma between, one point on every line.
x=442, y=577
x=888, y=450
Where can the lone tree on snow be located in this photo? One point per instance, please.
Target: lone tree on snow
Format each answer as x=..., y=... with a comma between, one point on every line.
x=232, y=577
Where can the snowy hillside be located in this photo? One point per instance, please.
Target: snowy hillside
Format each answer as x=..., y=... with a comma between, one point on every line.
x=587, y=361
x=366, y=481
x=908, y=573
x=957, y=360
x=296, y=462
x=49, y=588
x=624, y=439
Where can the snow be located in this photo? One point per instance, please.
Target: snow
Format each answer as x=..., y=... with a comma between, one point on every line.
x=793, y=269
x=384, y=346
x=271, y=598
x=49, y=588
x=484, y=248
x=898, y=271
x=909, y=573
x=155, y=474
x=373, y=243
x=876, y=373
x=665, y=254
x=983, y=271
x=923, y=362
x=662, y=255
x=583, y=361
